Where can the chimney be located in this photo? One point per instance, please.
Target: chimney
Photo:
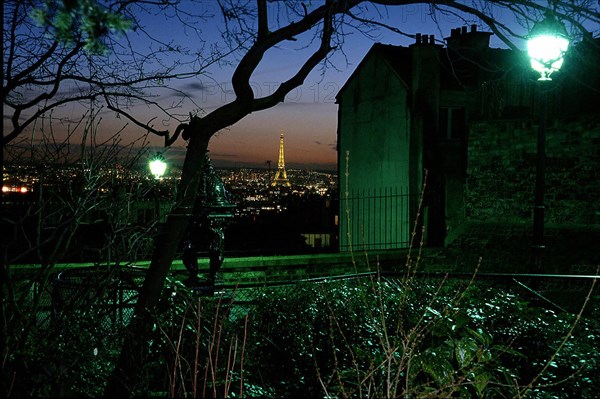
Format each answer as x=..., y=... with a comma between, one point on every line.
x=425, y=41
x=462, y=39
x=431, y=39
x=418, y=38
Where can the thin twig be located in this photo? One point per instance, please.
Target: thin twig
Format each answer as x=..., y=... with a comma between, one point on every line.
x=565, y=339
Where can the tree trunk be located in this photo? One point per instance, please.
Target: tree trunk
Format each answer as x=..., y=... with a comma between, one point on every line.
x=125, y=377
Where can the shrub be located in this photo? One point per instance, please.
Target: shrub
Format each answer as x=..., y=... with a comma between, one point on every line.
x=390, y=338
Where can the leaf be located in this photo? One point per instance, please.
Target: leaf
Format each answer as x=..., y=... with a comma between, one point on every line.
x=40, y=16
x=481, y=336
x=481, y=381
x=505, y=349
x=461, y=320
x=465, y=350
x=485, y=356
x=435, y=312
x=437, y=367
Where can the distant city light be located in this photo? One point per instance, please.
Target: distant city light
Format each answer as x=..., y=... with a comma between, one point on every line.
x=249, y=188
x=15, y=189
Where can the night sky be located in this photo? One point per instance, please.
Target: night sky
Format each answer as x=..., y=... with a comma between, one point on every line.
x=308, y=117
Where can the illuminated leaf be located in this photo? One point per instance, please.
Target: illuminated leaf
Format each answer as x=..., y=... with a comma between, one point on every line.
x=465, y=351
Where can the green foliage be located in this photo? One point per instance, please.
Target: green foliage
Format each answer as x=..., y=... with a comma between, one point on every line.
x=74, y=21
x=395, y=338
x=537, y=331
x=71, y=353
x=196, y=347
x=374, y=338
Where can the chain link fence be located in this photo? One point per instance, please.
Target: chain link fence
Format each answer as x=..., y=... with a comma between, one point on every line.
x=108, y=294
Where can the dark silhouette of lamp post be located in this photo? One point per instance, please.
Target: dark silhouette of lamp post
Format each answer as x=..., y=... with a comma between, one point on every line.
x=212, y=213
x=158, y=167
x=546, y=45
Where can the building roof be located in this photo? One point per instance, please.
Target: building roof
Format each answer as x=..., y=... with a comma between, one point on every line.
x=467, y=61
x=398, y=58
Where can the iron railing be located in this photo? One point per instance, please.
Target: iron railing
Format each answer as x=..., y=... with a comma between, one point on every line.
x=375, y=219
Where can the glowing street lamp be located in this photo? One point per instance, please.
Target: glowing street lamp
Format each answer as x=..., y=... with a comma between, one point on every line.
x=547, y=44
x=158, y=166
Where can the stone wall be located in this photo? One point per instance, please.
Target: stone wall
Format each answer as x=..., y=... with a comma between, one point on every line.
x=501, y=171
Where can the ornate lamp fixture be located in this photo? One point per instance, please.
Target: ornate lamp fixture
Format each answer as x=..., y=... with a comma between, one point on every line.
x=158, y=166
x=547, y=44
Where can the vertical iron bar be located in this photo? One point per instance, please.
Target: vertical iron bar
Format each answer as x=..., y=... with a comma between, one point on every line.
x=383, y=238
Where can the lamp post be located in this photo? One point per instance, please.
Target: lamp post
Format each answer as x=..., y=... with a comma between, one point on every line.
x=158, y=167
x=212, y=213
x=546, y=45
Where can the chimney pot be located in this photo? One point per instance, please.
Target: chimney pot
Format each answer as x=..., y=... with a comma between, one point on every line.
x=431, y=39
x=474, y=28
x=464, y=30
x=418, y=38
x=425, y=39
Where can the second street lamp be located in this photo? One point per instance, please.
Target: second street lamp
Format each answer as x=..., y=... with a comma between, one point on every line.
x=546, y=46
x=158, y=167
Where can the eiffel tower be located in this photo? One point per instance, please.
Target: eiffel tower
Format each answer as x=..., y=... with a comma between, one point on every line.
x=281, y=175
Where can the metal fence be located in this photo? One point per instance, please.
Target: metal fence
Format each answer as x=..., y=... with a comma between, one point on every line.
x=375, y=219
x=106, y=294
x=109, y=295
